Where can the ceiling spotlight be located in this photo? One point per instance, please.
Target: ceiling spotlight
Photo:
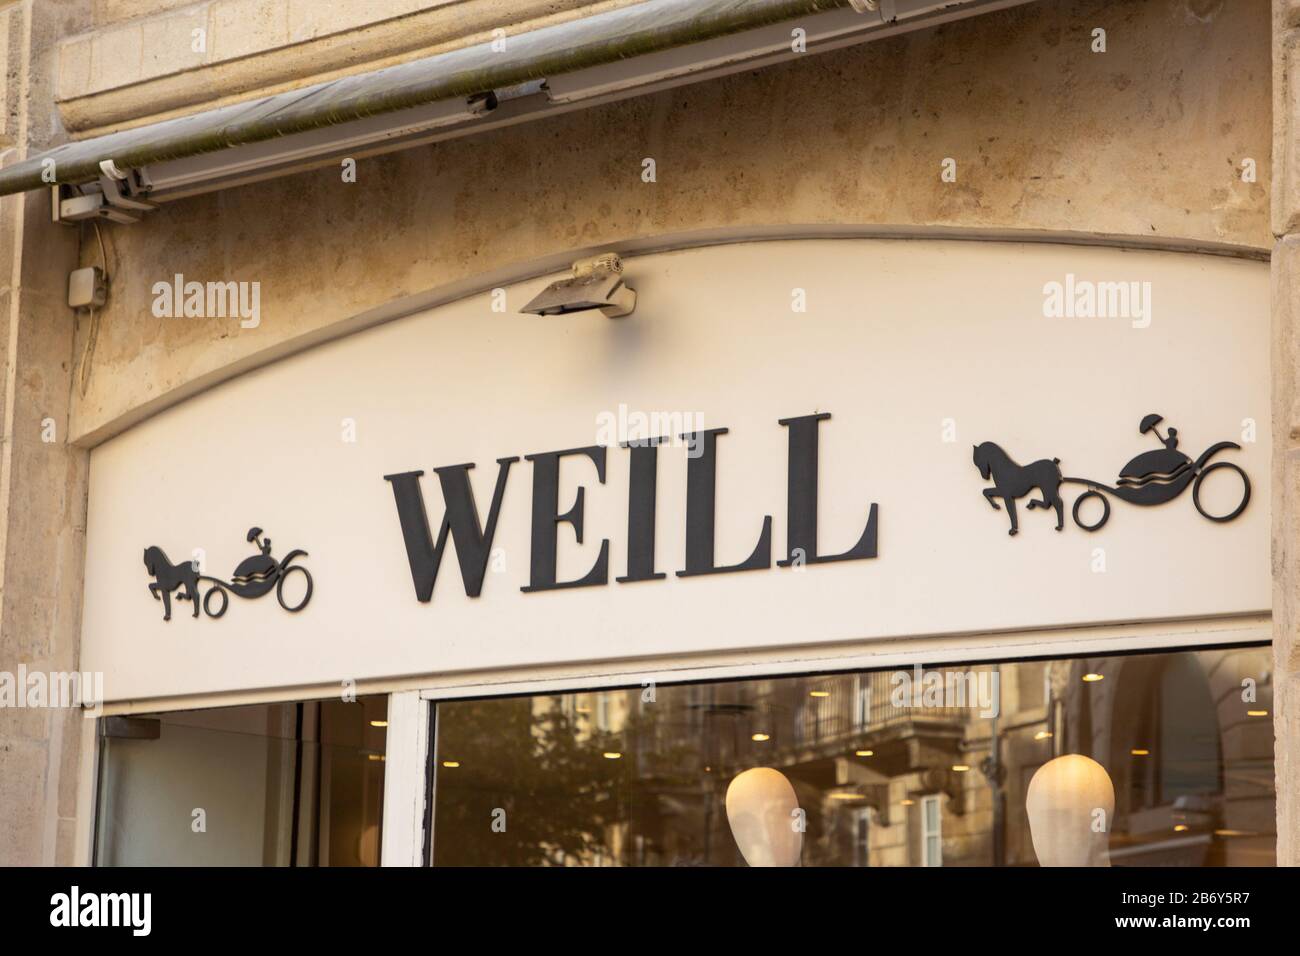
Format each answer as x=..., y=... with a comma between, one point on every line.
x=596, y=283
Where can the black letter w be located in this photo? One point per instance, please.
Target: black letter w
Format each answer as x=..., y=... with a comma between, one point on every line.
x=473, y=546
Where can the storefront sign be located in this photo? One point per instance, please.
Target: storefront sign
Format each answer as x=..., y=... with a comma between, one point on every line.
x=817, y=440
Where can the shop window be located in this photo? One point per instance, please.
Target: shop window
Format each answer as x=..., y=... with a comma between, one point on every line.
x=866, y=775
x=273, y=785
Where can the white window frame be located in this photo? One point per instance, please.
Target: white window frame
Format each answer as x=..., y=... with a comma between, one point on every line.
x=931, y=800
x=406, y=775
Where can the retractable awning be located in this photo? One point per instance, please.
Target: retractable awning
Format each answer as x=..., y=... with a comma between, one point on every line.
x=594, y=59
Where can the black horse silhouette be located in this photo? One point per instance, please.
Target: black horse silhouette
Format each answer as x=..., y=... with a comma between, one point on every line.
x=1012, y=481
x=168, y=577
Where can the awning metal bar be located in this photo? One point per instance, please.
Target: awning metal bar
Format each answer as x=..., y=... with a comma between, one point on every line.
x=590, y=41
x=618, y=53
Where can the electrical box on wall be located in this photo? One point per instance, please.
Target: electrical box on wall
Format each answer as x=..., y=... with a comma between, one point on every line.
x=87, y=288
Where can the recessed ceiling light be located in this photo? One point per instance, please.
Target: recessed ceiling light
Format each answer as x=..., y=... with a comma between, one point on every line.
x=960, y=768
x=1256, y=713
x=1139, y=752
x=612, y=755
x=1180, y=827
x=760, y=737
x=1090, y=678
x=819, y=693
x=451, y=764
x=865, y=753
x=1043, y=735
x=379, y=723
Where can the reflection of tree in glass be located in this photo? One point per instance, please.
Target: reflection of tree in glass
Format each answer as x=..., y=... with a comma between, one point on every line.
x=526, y=757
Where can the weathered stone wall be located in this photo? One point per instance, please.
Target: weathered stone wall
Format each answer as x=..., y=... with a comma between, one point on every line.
x=42, y=477
x=1145, y=140
x=1286, y=425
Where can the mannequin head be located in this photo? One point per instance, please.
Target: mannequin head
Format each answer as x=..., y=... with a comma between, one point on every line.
x=1070, y=804
x=760, y=809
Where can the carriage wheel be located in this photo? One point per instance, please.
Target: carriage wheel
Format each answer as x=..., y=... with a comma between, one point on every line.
x=279, y=588
x=1245, y=492
x=225, y=601
x=1105, y=510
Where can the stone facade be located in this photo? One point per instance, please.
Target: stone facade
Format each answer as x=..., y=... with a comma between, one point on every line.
x=42, y=475
x=1143, y=142
x=1286, y=424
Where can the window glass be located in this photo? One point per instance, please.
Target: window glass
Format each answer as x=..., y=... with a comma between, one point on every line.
x=273, y=784
x=917, y=767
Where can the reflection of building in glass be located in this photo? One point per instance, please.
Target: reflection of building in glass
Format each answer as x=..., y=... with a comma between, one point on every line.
x=1189, y=745
x=884, y=777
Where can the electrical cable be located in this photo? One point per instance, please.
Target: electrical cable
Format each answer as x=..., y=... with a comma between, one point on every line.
x=93, y=335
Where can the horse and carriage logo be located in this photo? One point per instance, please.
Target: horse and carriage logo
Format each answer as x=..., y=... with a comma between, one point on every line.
x=1152, y=478
x=254, y=577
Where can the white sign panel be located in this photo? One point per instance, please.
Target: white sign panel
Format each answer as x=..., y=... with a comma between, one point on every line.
x=919, y=351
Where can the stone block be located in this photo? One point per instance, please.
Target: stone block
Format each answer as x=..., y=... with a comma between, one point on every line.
x=1286, y=144
x=74, y=67
x=244, y=27
x=176, y=42
x=116, y=57
x=309, y=19
x=10, y=80
x=22, y=795
x=107, y=12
